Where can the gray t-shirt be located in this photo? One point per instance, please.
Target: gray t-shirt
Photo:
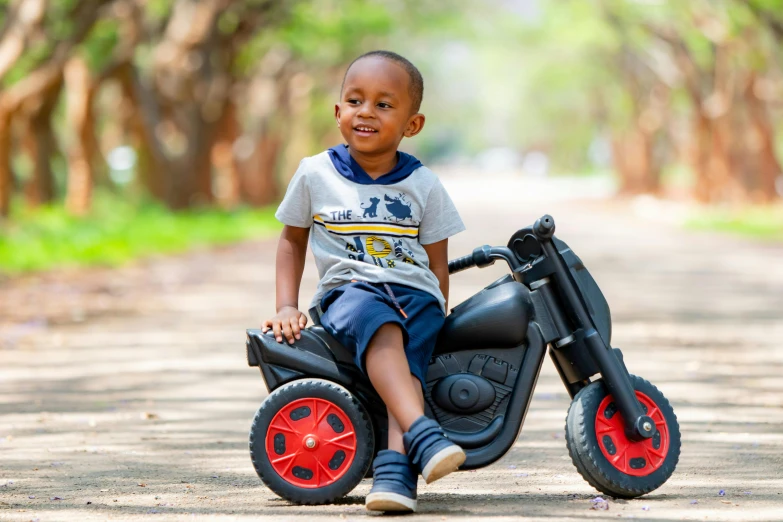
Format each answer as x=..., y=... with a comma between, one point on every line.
x=370, y=233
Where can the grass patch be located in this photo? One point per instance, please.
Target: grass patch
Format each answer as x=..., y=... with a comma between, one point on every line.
x=118, y=230
x=762, y=222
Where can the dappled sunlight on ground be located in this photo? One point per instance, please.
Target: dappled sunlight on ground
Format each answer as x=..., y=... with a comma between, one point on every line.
x=143, y=408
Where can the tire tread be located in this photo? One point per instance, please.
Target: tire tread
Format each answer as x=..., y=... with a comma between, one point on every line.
x=588, y=458
x=258, y=432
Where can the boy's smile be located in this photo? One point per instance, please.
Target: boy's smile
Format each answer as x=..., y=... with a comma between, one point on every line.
x=365, y=130
x=375, y=112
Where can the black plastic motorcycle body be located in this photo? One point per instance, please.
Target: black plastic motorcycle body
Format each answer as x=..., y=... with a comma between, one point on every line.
x=490, y=351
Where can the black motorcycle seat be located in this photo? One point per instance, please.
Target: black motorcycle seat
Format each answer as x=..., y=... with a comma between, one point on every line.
x=314, y=340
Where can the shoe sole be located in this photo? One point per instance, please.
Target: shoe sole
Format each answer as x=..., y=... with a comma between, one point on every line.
x=442, y=463
x=385, y=501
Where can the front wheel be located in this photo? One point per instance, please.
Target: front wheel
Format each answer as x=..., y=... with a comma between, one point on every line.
x=605, y=457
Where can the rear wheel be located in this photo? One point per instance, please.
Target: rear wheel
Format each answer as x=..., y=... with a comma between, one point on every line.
x=603, y=454
x=311, y=441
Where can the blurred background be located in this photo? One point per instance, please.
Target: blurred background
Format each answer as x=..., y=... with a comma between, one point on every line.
x=131, y=127
x=136, y=129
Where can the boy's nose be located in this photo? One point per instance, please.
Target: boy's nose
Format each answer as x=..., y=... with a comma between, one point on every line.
x=366, y=109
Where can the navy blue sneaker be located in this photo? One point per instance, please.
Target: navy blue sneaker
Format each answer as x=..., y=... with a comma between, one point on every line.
x=430, y=451
x=393, y=484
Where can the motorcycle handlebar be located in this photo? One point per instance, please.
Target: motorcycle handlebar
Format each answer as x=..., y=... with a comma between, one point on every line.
x=461, y=263
x=481, y=257
x=544, y=229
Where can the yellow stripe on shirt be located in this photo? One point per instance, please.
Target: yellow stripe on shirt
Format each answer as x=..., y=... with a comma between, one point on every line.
x=368, y=228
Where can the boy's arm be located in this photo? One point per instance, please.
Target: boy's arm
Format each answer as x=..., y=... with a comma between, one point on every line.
x=289, y=265
x=438, y=253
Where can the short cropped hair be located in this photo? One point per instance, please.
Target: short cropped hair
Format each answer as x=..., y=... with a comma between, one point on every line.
x=415, y=83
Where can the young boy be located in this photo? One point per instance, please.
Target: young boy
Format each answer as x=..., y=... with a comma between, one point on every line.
x=380, y=225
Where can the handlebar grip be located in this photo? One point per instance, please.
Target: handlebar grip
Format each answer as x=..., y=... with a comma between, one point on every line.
x=544, y=227
x=461, y=263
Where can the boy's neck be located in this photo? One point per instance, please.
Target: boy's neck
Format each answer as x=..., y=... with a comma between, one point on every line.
x=375, y=165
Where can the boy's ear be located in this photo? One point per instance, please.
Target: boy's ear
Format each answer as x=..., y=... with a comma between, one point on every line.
x=337, y=113
x=415, y=124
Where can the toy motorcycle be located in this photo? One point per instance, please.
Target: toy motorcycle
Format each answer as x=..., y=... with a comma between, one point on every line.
x=314, y=437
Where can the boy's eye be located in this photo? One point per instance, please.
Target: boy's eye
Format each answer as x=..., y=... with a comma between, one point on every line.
x=353, y=101
x=384, y=105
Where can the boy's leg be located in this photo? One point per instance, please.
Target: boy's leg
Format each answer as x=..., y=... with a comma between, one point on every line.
x=426, y=444
x=395, y=434
x=394, y=478
x=354, y=310
x=390, y=375
x=395, y=431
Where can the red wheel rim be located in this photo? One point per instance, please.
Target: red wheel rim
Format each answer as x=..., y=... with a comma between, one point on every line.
x=634, y=458
x=311, y=443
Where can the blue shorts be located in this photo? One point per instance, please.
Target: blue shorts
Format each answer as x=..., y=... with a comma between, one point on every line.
x=353, y=312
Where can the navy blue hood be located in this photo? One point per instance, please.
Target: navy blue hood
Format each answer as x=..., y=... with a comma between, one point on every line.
x=347, y=166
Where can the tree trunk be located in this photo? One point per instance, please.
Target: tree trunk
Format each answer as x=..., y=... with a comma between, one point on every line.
x=6, y=175
x=193, y=170
x=79, y=114
x=191, y=84
x=297, y=142
x=41, y=145
x=723, y=174
x=269, y=105
x=701, y=157
x=259, y=181
x=224, y=159
x=33, y=84
x=634, y=162
x=182, y=108
x=23, y=19
x=140, y=112
x=763, y=145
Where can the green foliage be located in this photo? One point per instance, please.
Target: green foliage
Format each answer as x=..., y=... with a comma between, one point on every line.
x=58, y=25
x=119, y=230
x=332, y=31
x=97, y=48
x=37, y=53
x=323, y=36
x=159, y=10
x=550, y=75
x=520, y=77
x=763, y=222
x=228, y=22
x=323, y=33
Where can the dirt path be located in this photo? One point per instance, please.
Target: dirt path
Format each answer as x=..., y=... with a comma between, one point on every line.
x=125, y=395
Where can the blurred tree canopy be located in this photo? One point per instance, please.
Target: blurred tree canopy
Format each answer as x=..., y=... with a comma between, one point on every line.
x=214, y=102
x=696, y=84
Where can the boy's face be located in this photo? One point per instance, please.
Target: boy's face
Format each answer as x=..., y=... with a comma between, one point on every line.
x=375, y=109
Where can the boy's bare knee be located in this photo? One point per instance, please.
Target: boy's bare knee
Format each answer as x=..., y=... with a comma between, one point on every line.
x=387, y=334
x=386, y=342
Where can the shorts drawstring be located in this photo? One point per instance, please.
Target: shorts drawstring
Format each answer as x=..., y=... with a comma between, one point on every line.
x=394, y=300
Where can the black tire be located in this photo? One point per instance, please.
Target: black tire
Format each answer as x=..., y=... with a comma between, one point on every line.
x=589, y=458
x=353, y=410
